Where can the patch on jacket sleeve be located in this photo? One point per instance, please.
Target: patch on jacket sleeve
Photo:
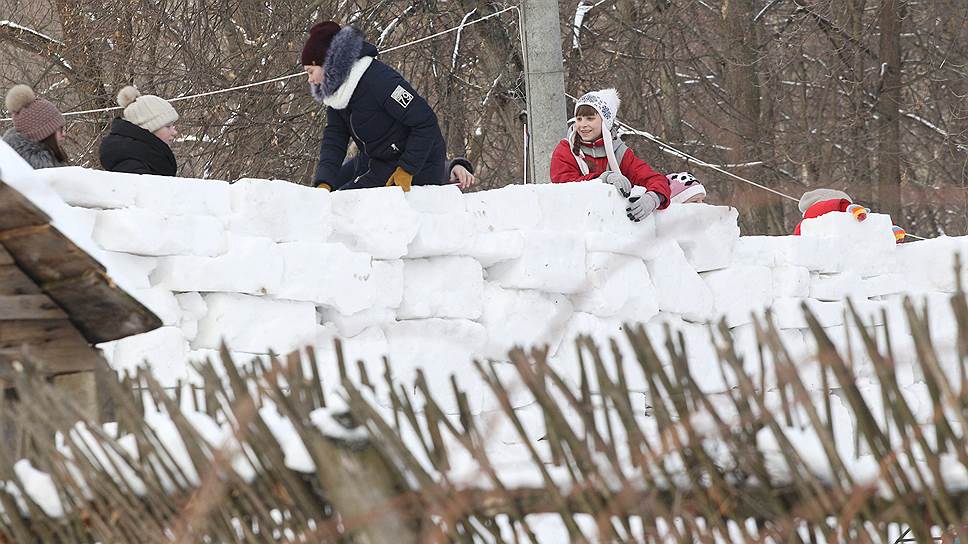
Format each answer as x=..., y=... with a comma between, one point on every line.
x=402, y=96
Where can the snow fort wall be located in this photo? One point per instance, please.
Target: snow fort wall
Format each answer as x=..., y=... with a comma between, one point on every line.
x=436, y=278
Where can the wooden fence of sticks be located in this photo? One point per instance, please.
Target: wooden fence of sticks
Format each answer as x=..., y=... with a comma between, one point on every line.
x=392, y=465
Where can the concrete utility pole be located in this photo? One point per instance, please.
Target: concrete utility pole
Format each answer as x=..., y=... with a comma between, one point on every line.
x=544, y=80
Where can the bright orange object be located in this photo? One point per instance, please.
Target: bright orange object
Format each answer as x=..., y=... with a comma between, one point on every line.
x=859, y=212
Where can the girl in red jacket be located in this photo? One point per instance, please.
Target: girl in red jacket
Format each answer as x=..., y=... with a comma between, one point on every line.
x=593, y=150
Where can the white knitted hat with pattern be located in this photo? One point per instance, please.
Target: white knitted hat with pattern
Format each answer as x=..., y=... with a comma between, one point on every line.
x=606, y=103
x=146, y=110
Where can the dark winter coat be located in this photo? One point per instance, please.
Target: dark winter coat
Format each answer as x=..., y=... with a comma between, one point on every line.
x=132, y=149
x=36, y=154
x=375, y=106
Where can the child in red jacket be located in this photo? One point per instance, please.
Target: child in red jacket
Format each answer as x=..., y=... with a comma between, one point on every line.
x=593, y=150
x=823, y=201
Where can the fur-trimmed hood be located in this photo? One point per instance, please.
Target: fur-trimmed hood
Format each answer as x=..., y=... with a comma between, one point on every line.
x=37, y=155
x=347, y=47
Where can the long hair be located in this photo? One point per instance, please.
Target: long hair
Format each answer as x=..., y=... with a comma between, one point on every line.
x=56, y=150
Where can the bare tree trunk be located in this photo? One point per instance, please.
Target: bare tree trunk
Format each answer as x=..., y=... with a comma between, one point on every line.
x=888, y=106
x=743, y=86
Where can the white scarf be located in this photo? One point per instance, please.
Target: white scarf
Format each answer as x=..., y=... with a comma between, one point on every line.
x=341, y=98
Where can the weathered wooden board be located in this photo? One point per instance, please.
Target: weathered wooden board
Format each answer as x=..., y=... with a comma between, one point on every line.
x=17, y=211
x=54, y=345
x=16, y=307
x=14, y=282
x=45, y=254
x=101, y=310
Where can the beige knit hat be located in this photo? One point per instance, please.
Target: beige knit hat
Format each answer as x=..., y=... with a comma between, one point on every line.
x=146, y=110
x=34, y=118
x=810, y=198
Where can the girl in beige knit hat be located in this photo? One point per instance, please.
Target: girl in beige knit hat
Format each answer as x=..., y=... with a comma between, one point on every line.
x=140, y=141
x=38, y=129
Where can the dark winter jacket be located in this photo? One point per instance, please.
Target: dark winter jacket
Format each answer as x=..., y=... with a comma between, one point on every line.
x=36, y=154
x=373, y=104
x=132, y=149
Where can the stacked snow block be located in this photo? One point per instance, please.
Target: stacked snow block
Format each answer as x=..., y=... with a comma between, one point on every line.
x=435, y=278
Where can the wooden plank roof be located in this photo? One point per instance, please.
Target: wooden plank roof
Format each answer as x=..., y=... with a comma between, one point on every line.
x=78, y=284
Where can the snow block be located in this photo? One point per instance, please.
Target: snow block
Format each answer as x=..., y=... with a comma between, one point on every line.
x=601, y=330
x=788, y=312
x=830, y=287
x=493, y=247
x=929, y=265
x=707, y=234
x=514, y=207
x=351, y=325
x=325, y=273
x=869, y=247
x=625, y=237
x=436, y=199
x=92, y=188
x=578, y=207
x=165, y=349
x=255, y=324
x=825, y=255
x=386, y=284
x=377, y=221
x=442, y=234
x=615, y=281
x=193, y=308
x=369, y=346
x=791, y=281
x=251, y=265
x=759, y=250
x=134, y=269
x=551, y=261
x=739, y=291
x=162, y=302
x=526, y=318
x=183, y=196
x=442, y=287
x=144, y=232
x=280, y=210
x=680, y=289
x=441, y=347
x=882, y=285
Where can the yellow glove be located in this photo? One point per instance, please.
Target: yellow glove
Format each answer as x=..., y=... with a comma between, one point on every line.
x=324, y=186
x=401, y=178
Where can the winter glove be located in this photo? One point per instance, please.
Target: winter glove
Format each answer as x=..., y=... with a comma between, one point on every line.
x=641, y=207
x=619, y=181
x=859, y=212
x=324, y=186
x=899, y=234
x=401, y=178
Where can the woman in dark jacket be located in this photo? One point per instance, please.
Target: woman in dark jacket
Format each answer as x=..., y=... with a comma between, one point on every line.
x=140, y=142
x=395, y=130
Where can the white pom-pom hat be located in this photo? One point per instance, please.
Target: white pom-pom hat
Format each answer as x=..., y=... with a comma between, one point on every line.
x=146, y=110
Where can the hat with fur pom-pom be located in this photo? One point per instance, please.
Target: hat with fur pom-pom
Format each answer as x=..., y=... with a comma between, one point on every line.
x=34, y=118
x=146, y=110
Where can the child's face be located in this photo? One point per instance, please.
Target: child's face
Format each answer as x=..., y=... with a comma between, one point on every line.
x=589, y=127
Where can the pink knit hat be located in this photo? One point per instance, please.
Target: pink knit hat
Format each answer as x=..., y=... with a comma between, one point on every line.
x=685, y=188
x=34, y=118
